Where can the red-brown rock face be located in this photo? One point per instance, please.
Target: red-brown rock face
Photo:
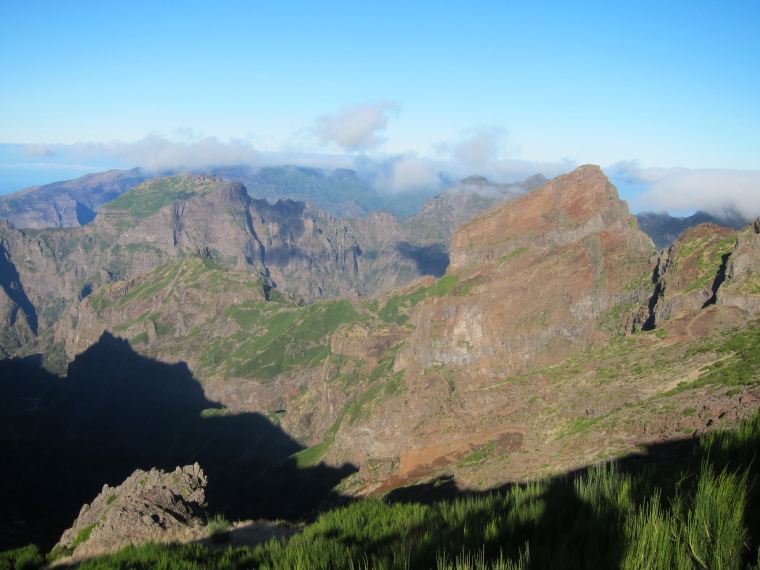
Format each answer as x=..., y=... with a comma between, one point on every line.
x=537, y=279
x=531, y=283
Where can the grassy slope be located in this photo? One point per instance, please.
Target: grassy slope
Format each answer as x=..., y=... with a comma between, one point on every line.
x=152, y=195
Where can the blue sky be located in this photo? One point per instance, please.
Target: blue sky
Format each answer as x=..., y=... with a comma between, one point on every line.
x=663, y=95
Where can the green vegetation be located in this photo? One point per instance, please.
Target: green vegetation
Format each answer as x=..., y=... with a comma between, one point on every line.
x=740, y=363
x=396, y=307
x=504, y=258
x=141, y=338
x=83, y=535
x=219, y=528
x=709, y=254
x=214, y=412
x=443, y=286
x=312, y=455
x=292, y=337
x=28, y=557
x=150, y=196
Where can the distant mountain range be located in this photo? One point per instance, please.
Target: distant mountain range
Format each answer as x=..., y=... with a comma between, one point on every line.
x=340, y=192
x=665, y=229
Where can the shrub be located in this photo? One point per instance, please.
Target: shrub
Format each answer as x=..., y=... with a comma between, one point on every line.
x=219, y=528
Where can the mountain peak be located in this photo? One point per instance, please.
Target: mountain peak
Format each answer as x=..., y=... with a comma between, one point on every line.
x=475, y=180
x=564, y=210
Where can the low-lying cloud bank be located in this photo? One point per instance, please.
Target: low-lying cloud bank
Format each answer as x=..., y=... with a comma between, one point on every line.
x=394, y=173
x=157, y=154
x=722, y=193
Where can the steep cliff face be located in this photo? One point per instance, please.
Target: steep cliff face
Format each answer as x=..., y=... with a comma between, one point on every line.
x=741, y=274
x=18, y=318
x=537, y=279
x=707, y=265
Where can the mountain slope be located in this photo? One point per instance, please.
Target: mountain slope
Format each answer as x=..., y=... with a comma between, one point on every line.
x=514, y=358
x=67, y=204
x=517, y=349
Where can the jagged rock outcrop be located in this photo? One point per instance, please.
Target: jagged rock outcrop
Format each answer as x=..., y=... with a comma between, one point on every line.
x=707, y=265
x=688, y=271
x=741, y=285
x=147, y=506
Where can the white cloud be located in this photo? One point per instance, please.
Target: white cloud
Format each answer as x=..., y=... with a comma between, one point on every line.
x=355, y=128
x=410, y=172
x=517, y=170
x=157, y=153
x=39, y=150
x=477, y=146
x=479, y=151
x=718, y=192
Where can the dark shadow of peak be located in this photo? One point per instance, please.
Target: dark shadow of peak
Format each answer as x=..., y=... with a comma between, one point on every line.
x=430, y=259
x=289, y=217
x=118, y=411
x=111, y=372
x=84, y=214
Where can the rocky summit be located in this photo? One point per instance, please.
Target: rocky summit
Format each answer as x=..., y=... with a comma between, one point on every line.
x=151, y=505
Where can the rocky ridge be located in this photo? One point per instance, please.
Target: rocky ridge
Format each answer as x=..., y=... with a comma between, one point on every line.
x=148, y=506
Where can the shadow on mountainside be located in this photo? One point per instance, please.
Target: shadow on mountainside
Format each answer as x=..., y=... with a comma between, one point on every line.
x=567, y=527
x=431, y=259
x=62, y=439
x=10, y=281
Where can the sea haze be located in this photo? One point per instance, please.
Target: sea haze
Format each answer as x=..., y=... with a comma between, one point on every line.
x=21, y=166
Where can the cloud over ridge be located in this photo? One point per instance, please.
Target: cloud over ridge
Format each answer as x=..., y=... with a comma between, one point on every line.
x=355, y=128
x=719, y=192
x=156, y=153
